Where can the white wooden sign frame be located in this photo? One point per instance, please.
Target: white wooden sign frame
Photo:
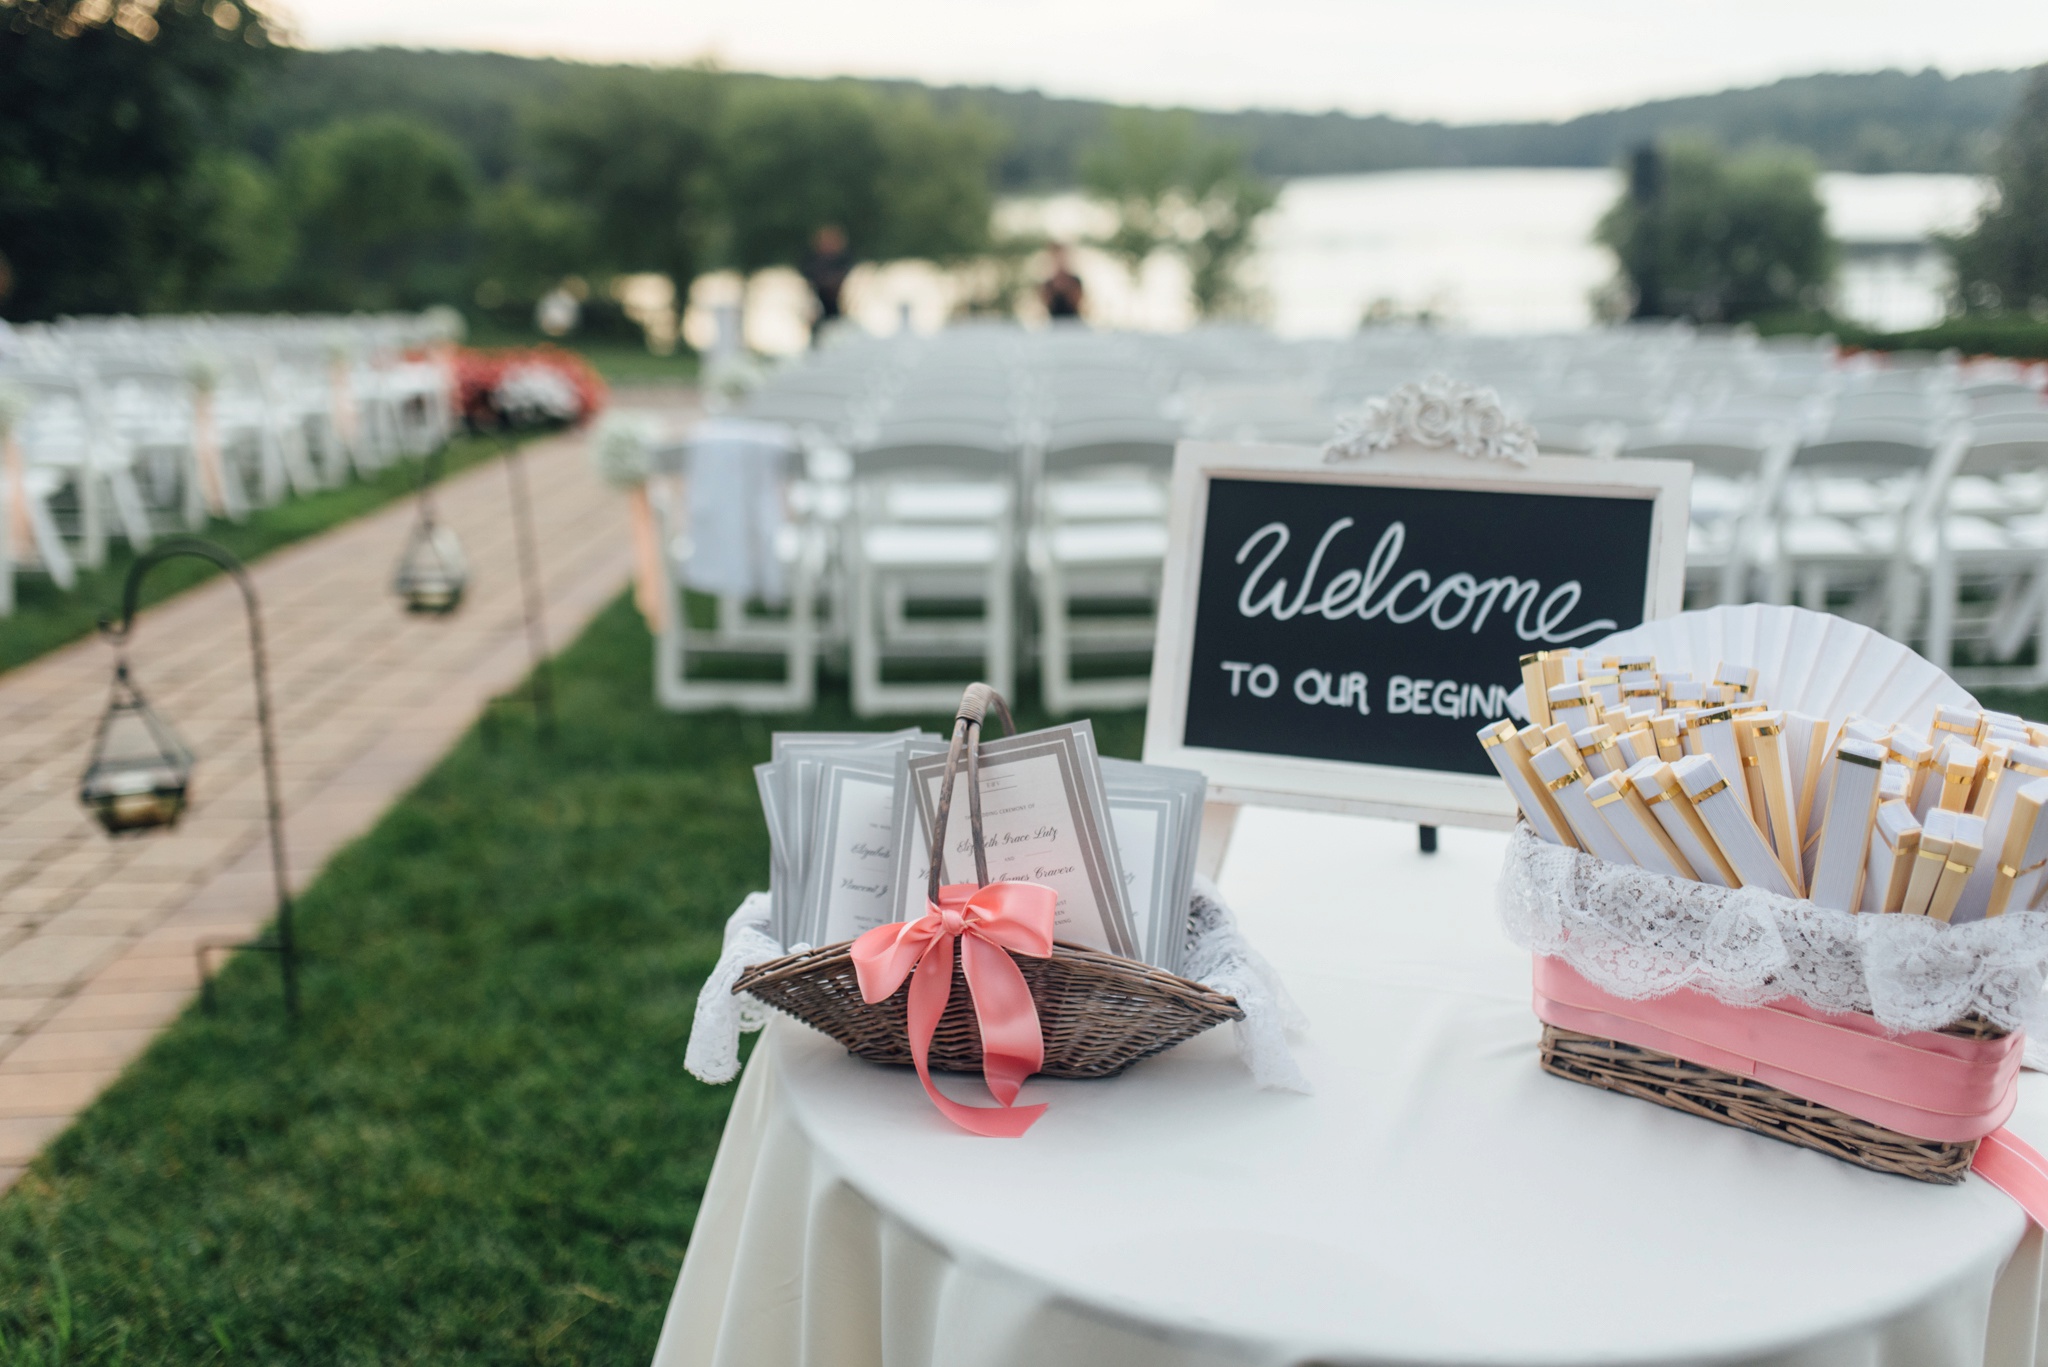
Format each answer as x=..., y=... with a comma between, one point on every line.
x=1427, y=797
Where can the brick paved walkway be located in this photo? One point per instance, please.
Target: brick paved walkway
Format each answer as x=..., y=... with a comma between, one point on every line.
x=97, y=935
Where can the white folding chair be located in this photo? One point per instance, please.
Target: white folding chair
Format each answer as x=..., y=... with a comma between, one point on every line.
x=77, y=480
x=1848, y=513
x=1738, y=466
x=1263, y=409
x=1988, y=570
x=403, y=407
x=420, y=390
x=729, y=533
x=830, y=414
x=1588, y=424
x=147, y=404
x=1098, y=542
x=302, y=386
x=27, y=492
x=263, y=457
x=932, y=527
x=997, y=408
x=1987, y=401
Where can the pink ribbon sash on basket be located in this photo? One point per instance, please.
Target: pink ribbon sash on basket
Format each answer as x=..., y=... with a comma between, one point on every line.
x=989, y=923
x=1920, y=1083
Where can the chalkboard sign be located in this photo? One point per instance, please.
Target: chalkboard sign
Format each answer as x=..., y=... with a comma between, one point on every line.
x=1334, y=634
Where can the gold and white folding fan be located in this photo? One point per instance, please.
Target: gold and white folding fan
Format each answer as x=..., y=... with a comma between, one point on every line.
x=1808, y=662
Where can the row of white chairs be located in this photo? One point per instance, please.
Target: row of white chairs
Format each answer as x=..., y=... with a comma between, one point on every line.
x=1934, y=531
x=909, y=552
x=127, y=428
x=948, y=485
x=987, y=471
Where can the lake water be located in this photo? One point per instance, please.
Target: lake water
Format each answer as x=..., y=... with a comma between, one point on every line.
x=1501, y=250
x=1511, y=250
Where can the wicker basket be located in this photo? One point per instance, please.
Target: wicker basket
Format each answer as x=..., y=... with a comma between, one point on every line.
x=1735, y=1065
x=1099, y=1013
x=1756, y=1106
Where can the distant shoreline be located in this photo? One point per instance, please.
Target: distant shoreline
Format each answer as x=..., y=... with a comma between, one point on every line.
x=1868, y=122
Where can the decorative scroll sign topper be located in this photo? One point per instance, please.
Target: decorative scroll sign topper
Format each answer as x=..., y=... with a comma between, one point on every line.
x=1437, y=412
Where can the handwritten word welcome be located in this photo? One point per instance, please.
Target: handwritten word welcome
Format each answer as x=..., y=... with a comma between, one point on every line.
x=1448, y=604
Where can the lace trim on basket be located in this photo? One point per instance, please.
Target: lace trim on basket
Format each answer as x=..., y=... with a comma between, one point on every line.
x=1218, y=956
x=1638, y=934
x=713, y=1053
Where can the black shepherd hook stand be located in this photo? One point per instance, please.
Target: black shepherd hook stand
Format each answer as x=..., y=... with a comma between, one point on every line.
x=430, y=475
x=284, y=946
x=540, y=685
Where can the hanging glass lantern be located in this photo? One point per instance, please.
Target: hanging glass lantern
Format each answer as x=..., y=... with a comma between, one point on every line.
x=141, y=773
x=433, y=571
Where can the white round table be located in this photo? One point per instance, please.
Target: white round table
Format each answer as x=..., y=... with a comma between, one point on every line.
x=1438, y=1200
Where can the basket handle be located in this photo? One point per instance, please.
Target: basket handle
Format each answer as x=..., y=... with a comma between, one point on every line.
x=974, y=706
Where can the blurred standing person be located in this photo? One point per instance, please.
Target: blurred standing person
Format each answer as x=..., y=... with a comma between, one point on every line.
x=1062, y=292
x=825, y=271
x=558, y=312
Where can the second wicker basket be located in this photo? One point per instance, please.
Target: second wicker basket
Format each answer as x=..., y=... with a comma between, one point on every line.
x=1099, y=1013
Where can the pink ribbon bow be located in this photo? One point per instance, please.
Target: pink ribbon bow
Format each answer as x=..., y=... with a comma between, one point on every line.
x=987, y=922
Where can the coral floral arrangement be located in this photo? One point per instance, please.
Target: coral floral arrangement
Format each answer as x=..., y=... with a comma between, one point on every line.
x=525, y=388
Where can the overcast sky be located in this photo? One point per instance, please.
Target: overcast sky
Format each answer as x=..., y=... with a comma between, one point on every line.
x=1462, y=60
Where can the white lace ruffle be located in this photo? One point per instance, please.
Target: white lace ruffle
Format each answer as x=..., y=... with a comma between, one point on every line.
x=1217, y=956
x=713, y=1054
x=1638, y=934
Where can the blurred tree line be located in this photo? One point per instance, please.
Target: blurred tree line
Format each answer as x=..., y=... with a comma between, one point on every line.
x=1719, y=238
x=161, y=154
x=2002, y=264
x=1175, y=191
x=113, y=190
x=168, y=154
x=1703, y=234
x=1866, y=121
x=136, y=173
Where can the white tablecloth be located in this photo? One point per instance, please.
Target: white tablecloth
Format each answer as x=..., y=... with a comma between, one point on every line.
x=1438, y=1200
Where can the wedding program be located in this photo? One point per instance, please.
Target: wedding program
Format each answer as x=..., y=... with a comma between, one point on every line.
x=1376, y=624
x=849, y=816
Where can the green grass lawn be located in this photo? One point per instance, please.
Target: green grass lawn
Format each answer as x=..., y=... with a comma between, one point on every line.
x=620, y=359
x=629, y=363
x=480, y=1144
x=46, y=616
